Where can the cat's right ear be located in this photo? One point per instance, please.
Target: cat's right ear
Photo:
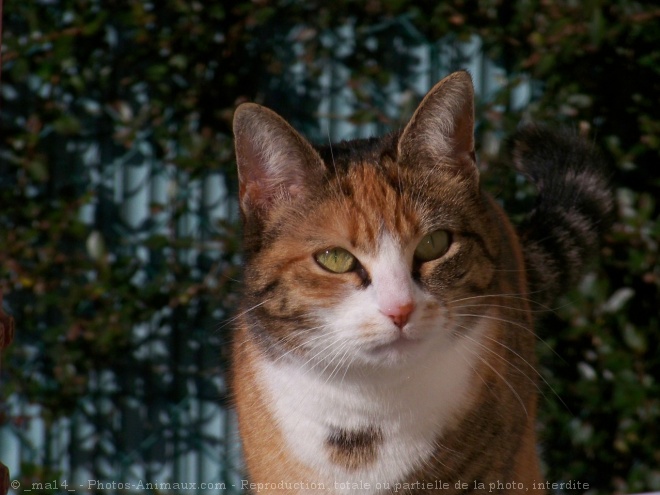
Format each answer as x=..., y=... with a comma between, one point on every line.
x=275, y=163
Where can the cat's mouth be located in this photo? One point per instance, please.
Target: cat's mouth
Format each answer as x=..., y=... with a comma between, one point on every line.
x=401, y=344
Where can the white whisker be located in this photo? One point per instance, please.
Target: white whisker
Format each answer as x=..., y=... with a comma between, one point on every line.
x=514, y=323
x=533, y=368
x=234, y=318
x=504, y=380
x=504, y=295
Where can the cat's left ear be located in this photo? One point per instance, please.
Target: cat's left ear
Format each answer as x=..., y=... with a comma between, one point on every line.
x=441, y=131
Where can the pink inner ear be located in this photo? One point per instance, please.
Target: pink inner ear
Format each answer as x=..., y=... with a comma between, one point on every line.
x=261, y=192
x=443, y=125
x=296, y=189
x=253, y=190
x=252, y=194
x=275, y=163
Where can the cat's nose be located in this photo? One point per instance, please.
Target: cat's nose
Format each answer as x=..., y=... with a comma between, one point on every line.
x=400, y=314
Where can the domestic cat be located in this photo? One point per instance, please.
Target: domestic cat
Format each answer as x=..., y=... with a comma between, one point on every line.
x=385, y=342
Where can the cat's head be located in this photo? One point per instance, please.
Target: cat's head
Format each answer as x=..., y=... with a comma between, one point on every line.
x=364, y=253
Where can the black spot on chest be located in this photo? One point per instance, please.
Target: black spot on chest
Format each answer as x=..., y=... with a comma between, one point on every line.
x=354, y=449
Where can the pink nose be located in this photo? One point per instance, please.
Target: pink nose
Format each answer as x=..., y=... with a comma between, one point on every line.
x=400, y=314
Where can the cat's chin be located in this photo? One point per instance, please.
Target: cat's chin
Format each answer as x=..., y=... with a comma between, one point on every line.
x=397, y=350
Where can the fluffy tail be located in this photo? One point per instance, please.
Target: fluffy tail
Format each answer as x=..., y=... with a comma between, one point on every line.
x=574, y=208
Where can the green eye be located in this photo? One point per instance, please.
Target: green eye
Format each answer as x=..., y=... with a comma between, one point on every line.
x=336, y=260
x=432, y=246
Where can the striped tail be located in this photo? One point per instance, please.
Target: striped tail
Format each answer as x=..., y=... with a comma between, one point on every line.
x=574, y=208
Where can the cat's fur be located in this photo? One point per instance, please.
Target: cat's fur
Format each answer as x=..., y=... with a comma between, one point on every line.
x=400, y=372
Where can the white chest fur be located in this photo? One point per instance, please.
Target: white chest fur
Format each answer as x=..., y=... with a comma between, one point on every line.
x=411, y=406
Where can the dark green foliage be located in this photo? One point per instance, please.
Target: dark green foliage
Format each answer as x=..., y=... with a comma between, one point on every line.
x=159, y=81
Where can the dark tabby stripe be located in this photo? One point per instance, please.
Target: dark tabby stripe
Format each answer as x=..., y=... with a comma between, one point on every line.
x=354, y=449
x=574, y=207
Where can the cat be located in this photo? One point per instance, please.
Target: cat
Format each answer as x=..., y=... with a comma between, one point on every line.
x=385, y=342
